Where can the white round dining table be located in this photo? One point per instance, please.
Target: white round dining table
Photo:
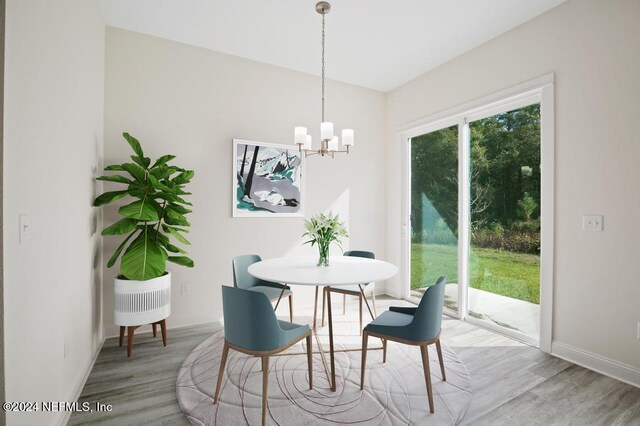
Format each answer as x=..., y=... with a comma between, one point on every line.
x=342, y=270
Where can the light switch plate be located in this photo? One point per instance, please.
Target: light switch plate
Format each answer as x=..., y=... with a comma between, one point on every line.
x=592, y=223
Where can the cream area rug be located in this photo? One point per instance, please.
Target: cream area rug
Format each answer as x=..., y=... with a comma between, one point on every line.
x=394, y=392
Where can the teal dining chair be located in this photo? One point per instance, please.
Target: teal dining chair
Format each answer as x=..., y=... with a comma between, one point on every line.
x=243, y=279
x=352, y=290
x=251, y=327
x=417, y=326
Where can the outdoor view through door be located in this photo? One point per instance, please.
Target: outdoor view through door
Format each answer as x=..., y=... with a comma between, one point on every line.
x=502, y=224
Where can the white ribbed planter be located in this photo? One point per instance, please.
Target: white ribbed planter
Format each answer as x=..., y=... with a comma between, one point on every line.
x=142, y=302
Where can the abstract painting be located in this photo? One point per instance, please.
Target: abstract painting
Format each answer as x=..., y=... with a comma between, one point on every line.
x=267, y=180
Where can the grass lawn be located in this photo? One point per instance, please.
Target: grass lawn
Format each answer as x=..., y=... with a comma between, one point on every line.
x=515, y=275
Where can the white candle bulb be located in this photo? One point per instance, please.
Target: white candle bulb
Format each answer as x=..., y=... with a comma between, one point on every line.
x=326, y=130
x=300, y=135
x=333, y=144
x=347, y=137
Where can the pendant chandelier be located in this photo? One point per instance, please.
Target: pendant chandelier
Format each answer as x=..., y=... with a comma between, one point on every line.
x=328, y=142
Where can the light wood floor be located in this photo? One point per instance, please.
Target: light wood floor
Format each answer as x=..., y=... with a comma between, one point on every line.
x=513, y=384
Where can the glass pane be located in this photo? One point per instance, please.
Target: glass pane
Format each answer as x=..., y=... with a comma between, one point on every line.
x=434, y=213
x=504, y=269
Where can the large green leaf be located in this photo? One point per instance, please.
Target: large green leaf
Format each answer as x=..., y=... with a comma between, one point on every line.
x=171, y=217
x=177, y=235
x=115, y=178
x=183, y=177
x=143, y=259
x=136, y=171
x=143, y=162
x=178, y=208
x=181, y=260
x=162, y=171
x=114, y=168
x=123, y=226
x=116, y=254
x=155, y=183
x=173, y=249
x=145, y=209
x=135, y=145
x=109, y=197
x=163, y=160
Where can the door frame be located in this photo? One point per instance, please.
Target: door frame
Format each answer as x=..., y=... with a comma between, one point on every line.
x=539, y=90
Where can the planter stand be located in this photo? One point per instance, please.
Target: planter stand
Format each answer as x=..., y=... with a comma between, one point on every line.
x=139, y=303
x=131, y=329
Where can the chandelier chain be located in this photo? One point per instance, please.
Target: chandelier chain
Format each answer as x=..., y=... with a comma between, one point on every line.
x=323, y=67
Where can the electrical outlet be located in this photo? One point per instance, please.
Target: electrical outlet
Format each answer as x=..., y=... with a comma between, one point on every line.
x=184, y=289
x=638, y=331
x=592, y=223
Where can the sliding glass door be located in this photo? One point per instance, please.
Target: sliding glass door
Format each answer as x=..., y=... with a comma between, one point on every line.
x=475, y=215
x=434, y=212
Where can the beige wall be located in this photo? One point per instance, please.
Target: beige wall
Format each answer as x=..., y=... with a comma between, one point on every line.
x=593, y=48
x=53, y=148
x=192, y=102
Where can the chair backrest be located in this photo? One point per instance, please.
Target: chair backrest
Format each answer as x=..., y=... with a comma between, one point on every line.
x=249, y=320
x=241, y=276
x=427, y=321
x=360, y=253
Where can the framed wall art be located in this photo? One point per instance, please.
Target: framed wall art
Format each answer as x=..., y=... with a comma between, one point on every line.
x=267, y=180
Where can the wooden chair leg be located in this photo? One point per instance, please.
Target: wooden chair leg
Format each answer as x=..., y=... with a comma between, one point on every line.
x=154, y=325
x=344, y=304
x=223, y=362
x=439, y=349
x=310, y=360
x=365, y=338
x=324, y=298
x=163, y=329
x=265, y=387
x=427, y=375
x=122, y=329
x=373, y=300
x=315, y=309
x=384, y=350
x=130, y=331
x=360, y=307
x=291, y=307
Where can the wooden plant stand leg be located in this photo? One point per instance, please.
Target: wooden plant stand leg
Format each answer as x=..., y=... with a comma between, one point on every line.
x=163, y=328
x=122, y=330
x=130, y=331
x=154, y=328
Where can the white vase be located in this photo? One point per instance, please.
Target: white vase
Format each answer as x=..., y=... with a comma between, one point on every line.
x=142, y=302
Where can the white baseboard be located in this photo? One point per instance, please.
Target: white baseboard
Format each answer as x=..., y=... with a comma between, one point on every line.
x=76, y=394
x=603, y=365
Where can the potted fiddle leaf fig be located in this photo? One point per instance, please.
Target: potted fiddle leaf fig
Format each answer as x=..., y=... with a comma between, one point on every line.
x=152, y=224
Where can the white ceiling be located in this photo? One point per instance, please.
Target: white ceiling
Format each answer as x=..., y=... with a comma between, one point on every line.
x=372, y=43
